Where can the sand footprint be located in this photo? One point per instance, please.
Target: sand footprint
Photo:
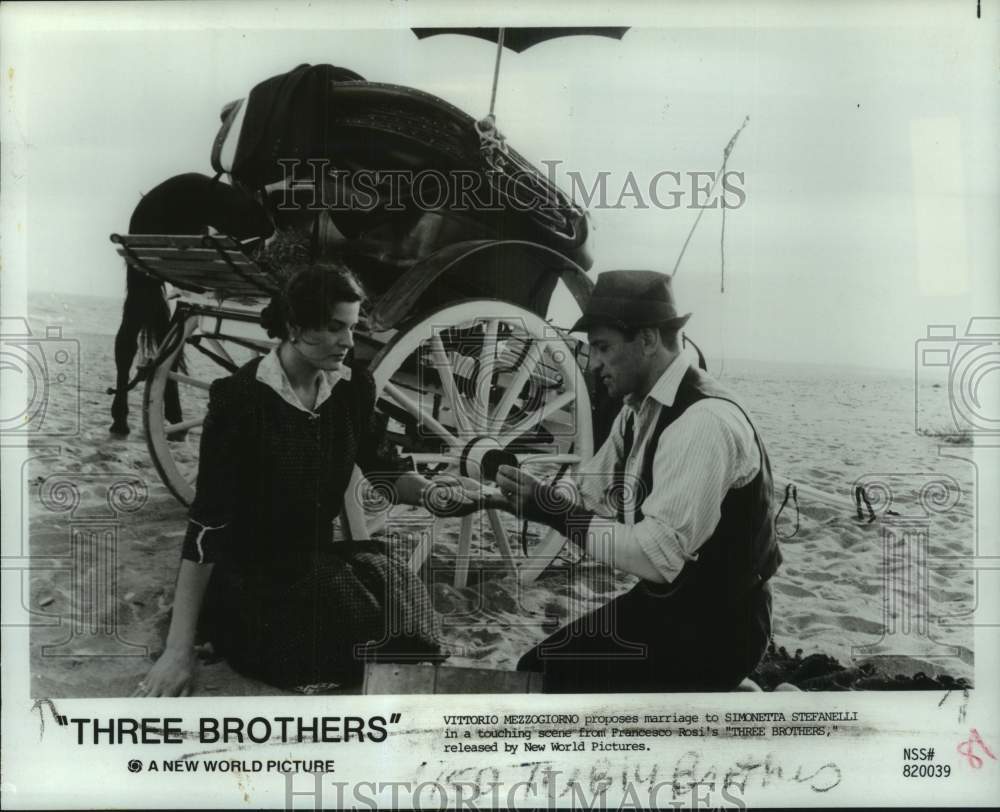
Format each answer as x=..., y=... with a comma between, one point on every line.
x=860, y=625
x=792, y=590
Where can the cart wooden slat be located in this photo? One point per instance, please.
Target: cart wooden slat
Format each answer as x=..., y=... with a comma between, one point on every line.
x=198, y=263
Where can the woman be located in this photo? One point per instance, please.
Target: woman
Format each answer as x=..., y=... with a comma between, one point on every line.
x=279, y=442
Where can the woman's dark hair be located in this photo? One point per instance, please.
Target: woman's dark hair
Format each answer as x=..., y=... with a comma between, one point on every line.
x=308, y=297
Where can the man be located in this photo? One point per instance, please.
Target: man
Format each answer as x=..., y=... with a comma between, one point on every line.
x=689, y=483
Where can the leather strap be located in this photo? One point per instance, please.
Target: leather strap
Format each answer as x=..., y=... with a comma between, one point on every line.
x=618, y=479
x=220, y=137
x=570, y=518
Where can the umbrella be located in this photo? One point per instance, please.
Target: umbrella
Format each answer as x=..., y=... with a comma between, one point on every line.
x=518, y=39
x=521, y=39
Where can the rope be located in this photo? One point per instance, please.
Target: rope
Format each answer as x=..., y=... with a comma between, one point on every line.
x=861, y=495
x=722, y=245
x=548, y=206
x=725, y=159
x=790, y=490
x=143, y=370
x=722, y=236
x=723, y=322
x=141, y=373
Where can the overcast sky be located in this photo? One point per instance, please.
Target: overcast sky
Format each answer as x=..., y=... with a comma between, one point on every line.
x=870, y=159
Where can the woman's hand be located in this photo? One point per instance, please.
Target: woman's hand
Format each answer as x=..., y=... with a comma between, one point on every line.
x=450, y=495
x=171, y=675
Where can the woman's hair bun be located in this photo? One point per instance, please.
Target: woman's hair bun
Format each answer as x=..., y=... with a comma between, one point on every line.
x=308, y=295
x=272, y=318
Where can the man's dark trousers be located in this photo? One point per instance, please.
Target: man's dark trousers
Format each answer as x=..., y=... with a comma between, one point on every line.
x=643, y=641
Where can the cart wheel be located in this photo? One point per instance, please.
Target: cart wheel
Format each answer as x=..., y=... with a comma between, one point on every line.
x=482, y=376
x=209, y=352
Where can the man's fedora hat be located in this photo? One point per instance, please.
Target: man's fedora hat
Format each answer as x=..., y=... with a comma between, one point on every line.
x=629, y=299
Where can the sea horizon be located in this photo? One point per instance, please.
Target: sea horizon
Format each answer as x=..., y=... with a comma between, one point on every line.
x=41, y=306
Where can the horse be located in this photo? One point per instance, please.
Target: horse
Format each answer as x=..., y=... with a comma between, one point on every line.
x=190, y=203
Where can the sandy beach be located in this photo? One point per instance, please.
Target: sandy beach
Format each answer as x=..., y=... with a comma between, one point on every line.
x=825, y=429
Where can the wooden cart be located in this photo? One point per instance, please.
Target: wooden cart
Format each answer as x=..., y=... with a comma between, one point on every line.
x=459, y=375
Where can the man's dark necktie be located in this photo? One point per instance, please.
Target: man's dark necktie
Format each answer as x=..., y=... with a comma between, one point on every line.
x=618, y=482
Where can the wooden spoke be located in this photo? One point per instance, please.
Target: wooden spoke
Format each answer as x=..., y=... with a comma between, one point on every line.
x=184, y=425
x=537, y=417
x=484, y=377
x=422, y=417
x=500, y=537
x=220, y=350
x=187, y=380
x=423, y=549
x=442, y=364
x=524, y=372
x=352, y=512
x=464, y=546
x=549, y=459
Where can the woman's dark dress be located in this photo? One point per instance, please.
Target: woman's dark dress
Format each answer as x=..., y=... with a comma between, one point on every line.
x=286, y=604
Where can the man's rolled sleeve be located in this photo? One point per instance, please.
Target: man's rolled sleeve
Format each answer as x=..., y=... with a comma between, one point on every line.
x=205, y=544
x=660, y=544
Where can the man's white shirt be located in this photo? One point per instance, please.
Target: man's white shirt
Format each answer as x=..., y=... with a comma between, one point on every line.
x=709, y=450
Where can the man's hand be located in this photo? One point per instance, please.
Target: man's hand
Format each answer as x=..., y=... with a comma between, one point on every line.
x=519, y=488
x=556, y=504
